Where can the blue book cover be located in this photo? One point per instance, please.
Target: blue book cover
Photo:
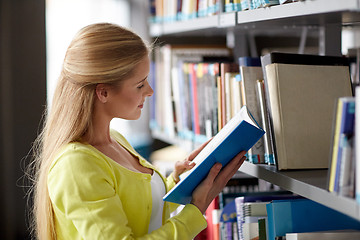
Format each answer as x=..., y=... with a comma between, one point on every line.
x=228, y=213
x=304, y=215
x=346, y=129
x=250, y=61
x=239, y=134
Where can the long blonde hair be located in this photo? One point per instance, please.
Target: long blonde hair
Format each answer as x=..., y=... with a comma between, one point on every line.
x=99, y=53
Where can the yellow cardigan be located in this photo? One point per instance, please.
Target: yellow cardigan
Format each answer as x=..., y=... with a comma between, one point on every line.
x=93, y=197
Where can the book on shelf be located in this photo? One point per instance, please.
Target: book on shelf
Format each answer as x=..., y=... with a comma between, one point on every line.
x=228, y=221
x=304, y=215
x=230, y=92
x=324, y=235
x=232, y=5
x=256, y=96
x=175, y=10
x=172, y=112
x=194, y=98
x=302, y=62
x=264, y=3
x=212, y=215
x=249, y=76
x=347, y=167
x=251, y=208
x=235, y=97
x=208, y=88
x=262, y=228
x=249, y=61
x=225, y=67
x=299, y=59
x=255, y=209
x=268, y=146
x=200, y=105
x=357, y=144
x=253, y=213
x=301, y=101
x=341, y=157
x=239, y=134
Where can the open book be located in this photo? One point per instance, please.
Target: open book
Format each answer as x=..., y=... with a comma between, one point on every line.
x=239, y=134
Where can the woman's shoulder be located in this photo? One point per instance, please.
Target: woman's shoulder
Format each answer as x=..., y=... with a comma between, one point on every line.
x=78, y=154
x=76, y=148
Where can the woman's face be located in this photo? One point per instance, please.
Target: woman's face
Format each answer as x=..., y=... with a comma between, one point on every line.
x=127, y=100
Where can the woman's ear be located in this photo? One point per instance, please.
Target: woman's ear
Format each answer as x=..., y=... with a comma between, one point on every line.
x=102, y=92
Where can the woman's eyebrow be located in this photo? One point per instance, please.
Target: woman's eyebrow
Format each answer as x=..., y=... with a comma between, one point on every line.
x=142, y=80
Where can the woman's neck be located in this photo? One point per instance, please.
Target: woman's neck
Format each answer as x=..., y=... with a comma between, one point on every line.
x=99, y=132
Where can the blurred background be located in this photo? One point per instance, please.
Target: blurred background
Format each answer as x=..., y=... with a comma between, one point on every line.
x=34, y=35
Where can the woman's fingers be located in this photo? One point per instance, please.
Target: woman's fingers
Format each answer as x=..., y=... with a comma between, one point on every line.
x=215, y=181
x=204, y=192
x=214, y=171
x=231, y=168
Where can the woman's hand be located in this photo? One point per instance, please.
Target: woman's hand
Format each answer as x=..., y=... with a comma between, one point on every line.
x=216, y=180
x=187, y=164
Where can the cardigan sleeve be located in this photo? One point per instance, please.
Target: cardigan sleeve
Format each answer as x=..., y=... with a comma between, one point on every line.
x=82, y=189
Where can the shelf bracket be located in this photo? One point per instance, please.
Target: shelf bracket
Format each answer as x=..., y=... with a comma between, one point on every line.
x=330, y=40
x=303, y=37
x=237, y=40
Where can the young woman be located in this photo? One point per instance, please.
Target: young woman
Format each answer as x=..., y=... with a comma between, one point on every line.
x=90, y=183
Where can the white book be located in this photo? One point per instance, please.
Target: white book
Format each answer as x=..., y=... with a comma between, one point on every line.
x=249, y=77
x=328, y=235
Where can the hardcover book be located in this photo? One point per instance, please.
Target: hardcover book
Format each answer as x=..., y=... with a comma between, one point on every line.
x=304, y=60
x=249, y=76
x=343, y=129
x=301, y=99
x=239, y=134
x=304, y=215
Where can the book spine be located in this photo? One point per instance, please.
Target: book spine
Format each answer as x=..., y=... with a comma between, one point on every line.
x=357, y=143
x=276, y=114
x=342, y=143
x=249, y=76
x=269, y=154
x=345, y=174
x=335, y=148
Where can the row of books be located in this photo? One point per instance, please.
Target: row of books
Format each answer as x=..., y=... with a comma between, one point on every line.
x=175, y=10
x=196, y=98
x=180, y=10
x=278, y=215
x=344, y=169
x=290, y=95
x=249, y=186
x=341, y=179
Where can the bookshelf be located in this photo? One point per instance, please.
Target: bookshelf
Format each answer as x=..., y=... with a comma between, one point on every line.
x=318, y=14
x=311, y=184
x=303, y=13
x=306, y=13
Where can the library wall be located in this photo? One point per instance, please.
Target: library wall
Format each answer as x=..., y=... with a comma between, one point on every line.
x=23, y=96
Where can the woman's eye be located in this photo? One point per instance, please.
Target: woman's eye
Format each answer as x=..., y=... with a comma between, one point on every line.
x=141, y=86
